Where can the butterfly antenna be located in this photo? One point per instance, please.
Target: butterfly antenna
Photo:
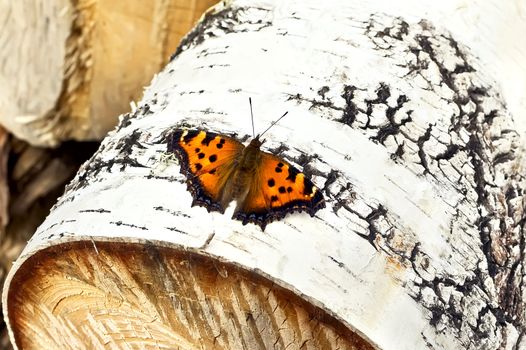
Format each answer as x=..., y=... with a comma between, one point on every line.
x=252, y=117
x=273, y=123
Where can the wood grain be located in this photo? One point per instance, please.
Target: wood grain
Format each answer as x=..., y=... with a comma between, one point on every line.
x=116, y=295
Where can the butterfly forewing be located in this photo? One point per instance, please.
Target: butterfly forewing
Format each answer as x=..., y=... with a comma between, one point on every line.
x=206, y=160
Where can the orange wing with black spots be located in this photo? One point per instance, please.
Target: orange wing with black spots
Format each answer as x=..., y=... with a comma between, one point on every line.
x=278, y=189
x=207, y=161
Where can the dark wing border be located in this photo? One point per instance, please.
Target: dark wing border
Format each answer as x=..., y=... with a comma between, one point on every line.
x=193, y=184
x=262, y=218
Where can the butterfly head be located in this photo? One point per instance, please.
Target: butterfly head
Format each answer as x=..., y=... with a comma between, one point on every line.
x=256, y=142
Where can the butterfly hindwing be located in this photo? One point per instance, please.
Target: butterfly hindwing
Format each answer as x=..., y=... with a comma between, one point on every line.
x=206, y=160
x=278, y=189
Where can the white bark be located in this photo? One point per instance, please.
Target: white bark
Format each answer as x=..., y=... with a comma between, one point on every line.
x=403, y=127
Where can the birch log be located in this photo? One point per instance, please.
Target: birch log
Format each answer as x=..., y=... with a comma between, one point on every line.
x=394, y=113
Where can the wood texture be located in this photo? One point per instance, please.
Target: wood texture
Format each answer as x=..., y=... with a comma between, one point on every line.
x=117, y=296
x=94, y=58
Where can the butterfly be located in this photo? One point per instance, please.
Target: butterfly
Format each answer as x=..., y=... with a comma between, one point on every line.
x=219, y=169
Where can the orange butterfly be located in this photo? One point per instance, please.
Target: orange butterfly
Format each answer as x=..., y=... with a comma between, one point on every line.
x=220, y=169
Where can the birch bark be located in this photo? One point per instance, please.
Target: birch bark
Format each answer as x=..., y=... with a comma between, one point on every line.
x=407, y=132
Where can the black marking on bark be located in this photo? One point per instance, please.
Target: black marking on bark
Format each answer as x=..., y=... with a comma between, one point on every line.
x=339, y=263
x=97, y=163
x=371, y=219
x=120, y=223
x=503, y=158
x=392, y=127
x=127, y=119
x=322, y=91
x=313, y=102
x=125, y=145
x=223, y=22
x=399, y=152
x=489, y=117
x=398, y=31
x=171, y=212
x=101, y=210
x=421, y=153
x=175, y=229
x=280, y=150
x=331, y=178
x=450, y=152
x=351, y=110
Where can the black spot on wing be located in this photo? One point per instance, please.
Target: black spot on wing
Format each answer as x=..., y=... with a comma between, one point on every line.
x=293, y=172
x=219, y=145
x=273, y=198
x=282, y=189
x=201, y=155
x=271, y=183
x=212, y=158
x=208, y=138
x=198, y=166
x=278, y=170
x=190, y=135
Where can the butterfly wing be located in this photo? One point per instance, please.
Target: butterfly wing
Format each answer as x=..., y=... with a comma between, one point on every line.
x=278, y=189
x=207, y=161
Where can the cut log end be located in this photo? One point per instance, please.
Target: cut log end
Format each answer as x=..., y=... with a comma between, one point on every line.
x=95, y=295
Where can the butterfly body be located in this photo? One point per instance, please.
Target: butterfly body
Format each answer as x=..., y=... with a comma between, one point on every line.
x=220, y=169
x=244, y=173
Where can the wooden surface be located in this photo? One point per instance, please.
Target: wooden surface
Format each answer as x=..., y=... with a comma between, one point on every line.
x=118, y=296
x=94, y=59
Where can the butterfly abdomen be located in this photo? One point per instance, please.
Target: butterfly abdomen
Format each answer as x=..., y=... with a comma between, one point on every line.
x=239, y=184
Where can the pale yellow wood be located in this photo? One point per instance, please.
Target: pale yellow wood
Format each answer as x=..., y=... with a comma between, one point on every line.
x=117, y=295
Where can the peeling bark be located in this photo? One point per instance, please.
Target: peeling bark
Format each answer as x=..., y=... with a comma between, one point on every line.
x=422, y=241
